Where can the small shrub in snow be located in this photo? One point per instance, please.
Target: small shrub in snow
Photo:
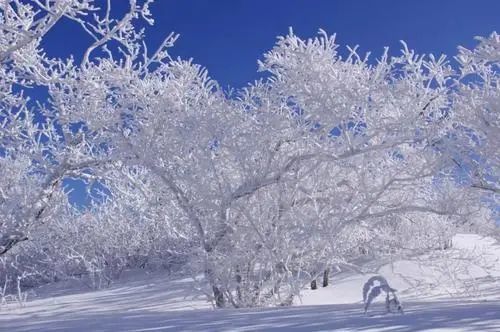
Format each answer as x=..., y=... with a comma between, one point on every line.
x=371, y=291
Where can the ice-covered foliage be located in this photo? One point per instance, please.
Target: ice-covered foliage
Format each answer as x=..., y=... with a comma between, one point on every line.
x=374, y=287
x=258, y=191
x=476, y=102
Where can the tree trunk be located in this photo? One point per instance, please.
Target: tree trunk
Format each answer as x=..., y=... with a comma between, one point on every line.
x=220, y=302
x=314, y=285
x=256, y=294
x=218, y=295
x=238, y=282
x=325, y=277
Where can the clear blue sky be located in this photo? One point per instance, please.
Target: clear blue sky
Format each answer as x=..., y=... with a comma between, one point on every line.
x=228, y=36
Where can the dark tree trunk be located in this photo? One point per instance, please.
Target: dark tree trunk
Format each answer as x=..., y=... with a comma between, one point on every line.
x=314, y=285
x=238, y=281
x=325, y=277
x=256, y=294
x=220, y=302
x=218, y=295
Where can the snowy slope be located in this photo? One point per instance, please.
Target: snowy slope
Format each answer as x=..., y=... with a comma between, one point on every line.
x=441, y=292
x=438, y=275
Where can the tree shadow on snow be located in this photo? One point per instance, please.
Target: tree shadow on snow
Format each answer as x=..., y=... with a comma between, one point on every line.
x=476, y=316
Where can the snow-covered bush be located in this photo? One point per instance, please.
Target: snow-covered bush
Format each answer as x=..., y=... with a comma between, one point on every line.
x=97, y=244
x=374, y=287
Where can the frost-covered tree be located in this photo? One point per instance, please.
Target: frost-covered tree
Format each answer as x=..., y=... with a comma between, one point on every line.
x=476, y=102
x=262, y=190
x=43, y=143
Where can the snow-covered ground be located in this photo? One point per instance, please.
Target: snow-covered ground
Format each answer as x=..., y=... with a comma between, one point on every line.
x=440, y=291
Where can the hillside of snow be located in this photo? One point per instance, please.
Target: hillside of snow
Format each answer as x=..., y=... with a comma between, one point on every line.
x=440, y=291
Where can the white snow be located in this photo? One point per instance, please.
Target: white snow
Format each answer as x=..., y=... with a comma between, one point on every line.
x=440, y=291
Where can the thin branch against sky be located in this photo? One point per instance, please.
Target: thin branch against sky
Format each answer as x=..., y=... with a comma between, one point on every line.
x=228, y=36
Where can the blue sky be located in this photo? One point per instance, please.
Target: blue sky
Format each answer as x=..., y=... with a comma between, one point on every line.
x=228, y=36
